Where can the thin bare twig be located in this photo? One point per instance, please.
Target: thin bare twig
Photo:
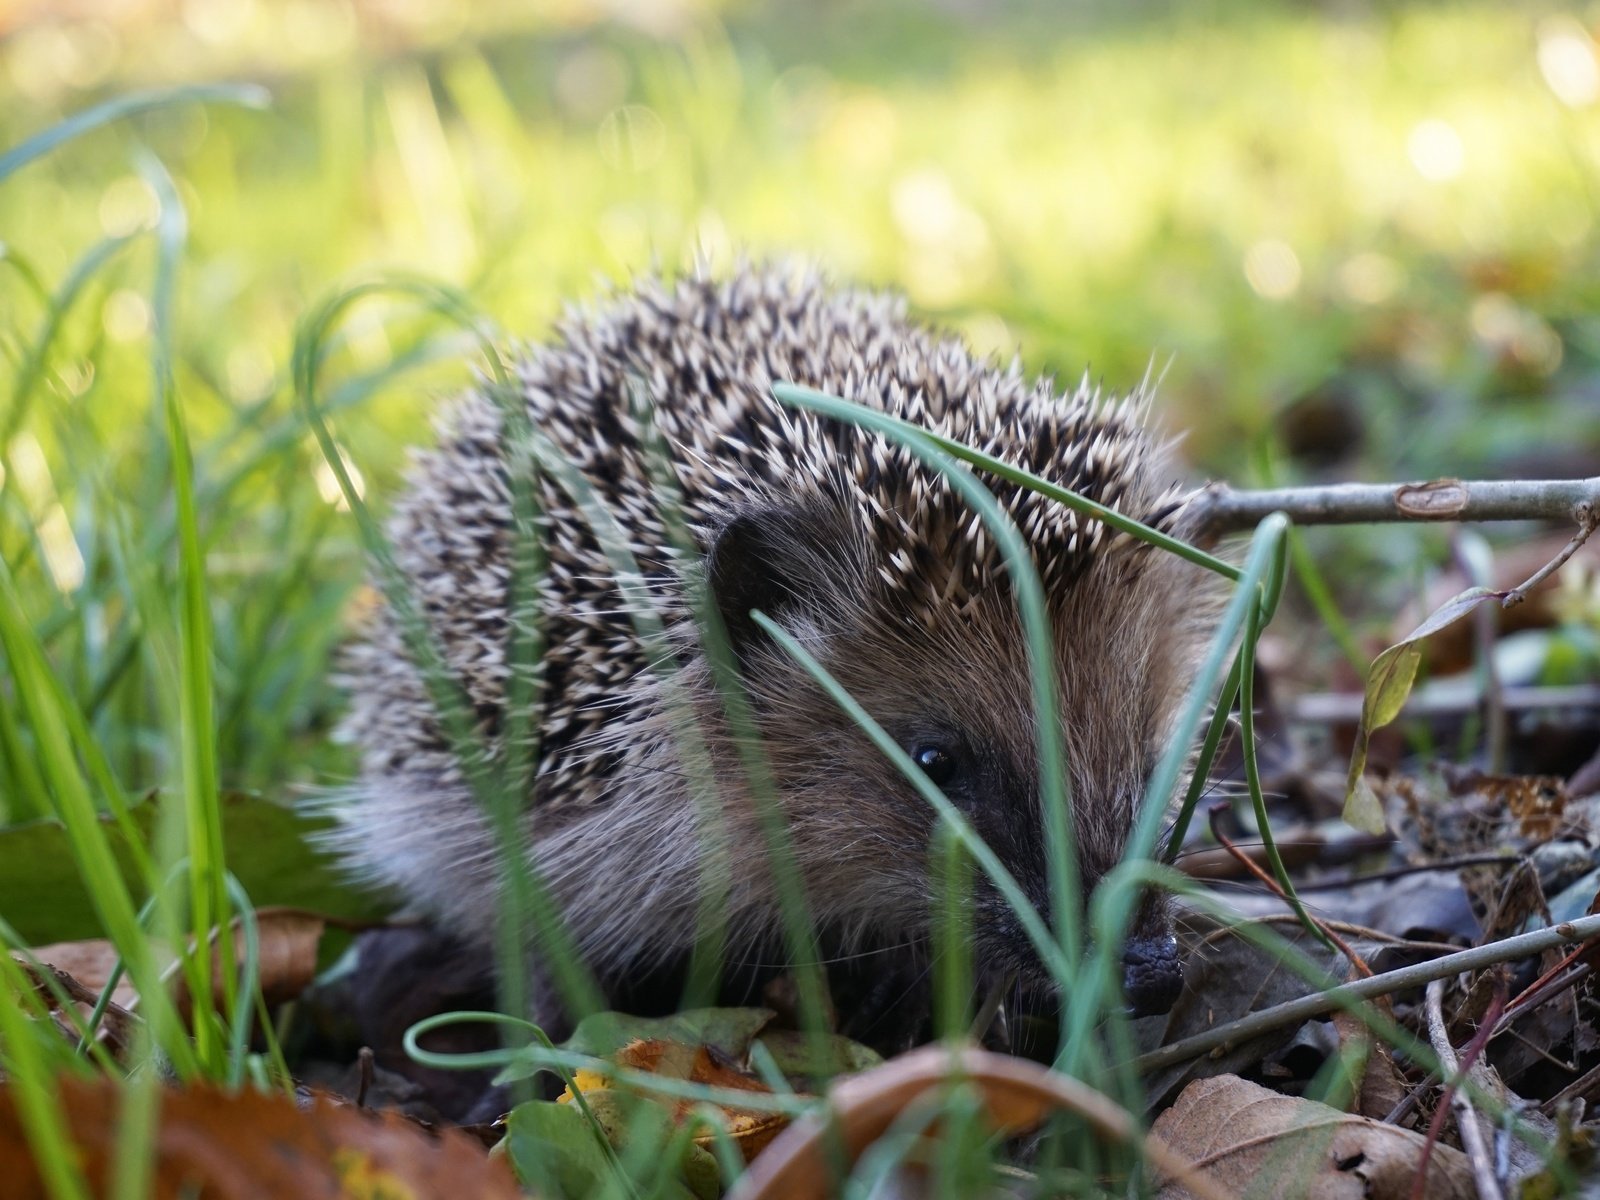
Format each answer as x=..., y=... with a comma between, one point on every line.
x=365, y=1062
x=1261, y=875
x=1581, y=1086
x=1324, y=708
x=1222, y=509
x=1345, y=995
x=1411, y=1099
x=1553, y=982
x=1456, y=1097
x=1444, y=864
x=1588, y=521
x=1349, y=929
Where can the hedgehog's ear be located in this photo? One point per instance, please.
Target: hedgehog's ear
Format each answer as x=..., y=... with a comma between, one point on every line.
x=778, y=558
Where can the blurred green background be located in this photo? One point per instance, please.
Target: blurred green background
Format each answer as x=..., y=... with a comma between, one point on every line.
x=1356, y=240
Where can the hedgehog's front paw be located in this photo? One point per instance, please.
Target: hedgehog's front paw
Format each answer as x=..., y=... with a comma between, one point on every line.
x=886, y=1001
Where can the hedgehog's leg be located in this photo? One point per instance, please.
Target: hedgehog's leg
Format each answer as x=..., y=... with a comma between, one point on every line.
x=549, y=1012
x=885, y=1000
x=546, y=1008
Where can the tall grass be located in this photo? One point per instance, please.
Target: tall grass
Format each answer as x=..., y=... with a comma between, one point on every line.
x=58, y=761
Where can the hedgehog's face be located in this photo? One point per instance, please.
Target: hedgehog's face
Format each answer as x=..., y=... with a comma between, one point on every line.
x=955, y=693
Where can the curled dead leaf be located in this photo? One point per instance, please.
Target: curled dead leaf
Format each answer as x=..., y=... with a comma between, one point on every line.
x=288, y=939
x=1377, y=1082
x=252, y=1144
x=1017, y=1095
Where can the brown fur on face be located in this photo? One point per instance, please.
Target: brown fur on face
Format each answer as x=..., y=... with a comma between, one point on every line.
x=661, y=401
x=960, y=680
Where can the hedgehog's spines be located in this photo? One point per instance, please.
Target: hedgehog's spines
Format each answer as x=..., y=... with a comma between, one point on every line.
x=687, y=366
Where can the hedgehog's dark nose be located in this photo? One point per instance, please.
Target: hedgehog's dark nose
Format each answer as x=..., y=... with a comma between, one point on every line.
x=1152, y=974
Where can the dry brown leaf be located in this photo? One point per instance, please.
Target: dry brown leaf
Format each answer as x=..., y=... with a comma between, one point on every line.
x=254, y=1145
x=1017, y=1095
x=1243, y=1135
x=117, y=1024
x=90, y=963
x=1538, y=802
x=1380, y=1087
x=287, y=938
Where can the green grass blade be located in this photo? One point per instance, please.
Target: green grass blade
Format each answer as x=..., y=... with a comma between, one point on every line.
x=208, y=889
x=1315, y=586
x=59, y=304
x=91, y=850
x=1055, y=792
x=31, y=1082
x=706, y=958
x=1202, y=765
x=26, y=271
x=249, y=983
x=630, y=579
x=135, y=1151
x=105, y=781
x=1252, y=769
x=790, y=393
x=26, y=796
x=88, y=1048
x=480, y=772
x=526, y=563
x=1044, y=943
x=13, y=160
x=1114, y=901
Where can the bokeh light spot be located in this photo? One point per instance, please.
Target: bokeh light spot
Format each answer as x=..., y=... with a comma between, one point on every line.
x=1514, y=334
x=1567, y=62
x=219, y=22
x=948, y=241
x=860, y=134
x=1369, y=278
x=1272, y=269
x=1436, y=150
x=61, y=553
x=249, y=370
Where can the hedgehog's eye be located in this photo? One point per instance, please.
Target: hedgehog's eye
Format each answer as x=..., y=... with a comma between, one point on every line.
x=938, y=763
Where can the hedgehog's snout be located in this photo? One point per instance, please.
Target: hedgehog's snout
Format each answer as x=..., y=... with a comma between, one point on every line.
x=1152, y=960
x=1152, y=974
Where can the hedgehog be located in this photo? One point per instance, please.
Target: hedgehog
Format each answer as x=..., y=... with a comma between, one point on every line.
x=660, y=397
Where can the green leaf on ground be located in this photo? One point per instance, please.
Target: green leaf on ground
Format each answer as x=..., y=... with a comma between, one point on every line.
x=792, y=1052
x=726, y=1030
x=269, y=848
x=1389, y=685
x=554, y=1151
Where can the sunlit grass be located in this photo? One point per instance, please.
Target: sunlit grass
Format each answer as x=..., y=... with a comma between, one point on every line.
x=1096, y=199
